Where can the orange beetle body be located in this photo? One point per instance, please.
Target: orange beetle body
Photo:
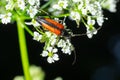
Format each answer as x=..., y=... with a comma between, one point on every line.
x=51, y=25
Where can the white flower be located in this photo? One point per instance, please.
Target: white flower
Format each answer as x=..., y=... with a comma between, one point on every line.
x=53, y=36
x=75, y=15
x=61, y=43
x=84, y=11
x=33, y=22
x=68, y=43
x=9, y=5
x=66, y=50
x=53, y=42
x=5, y=18
x=90, y=21
x=110, y=5
x=48, y=34
x=63, y=3
x=58, y=78
x=34, y=2
x=91, y=9
x=53, y=58
x=36, y=72
x=56, y=6
x=80, y=4
x=37, y=36
x=51, y=53
x=53, y=39
x=31, y=2
x=66, y=46
x=21, y=4
x=100, y=20
x=32, y=11
x=37, y=3
x=91, y=32
x=77, y=1
x=18, y=78
x=94, y=8
x=87, y=2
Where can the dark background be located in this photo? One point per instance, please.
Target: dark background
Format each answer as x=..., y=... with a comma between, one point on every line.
x=94, y=56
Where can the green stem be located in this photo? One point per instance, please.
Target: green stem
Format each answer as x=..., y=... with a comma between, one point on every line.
x=28, y=30
x=23, y=48
x=47, y=4
x=62, y=15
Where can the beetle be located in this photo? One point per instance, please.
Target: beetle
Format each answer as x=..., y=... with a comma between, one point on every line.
x=53, y=26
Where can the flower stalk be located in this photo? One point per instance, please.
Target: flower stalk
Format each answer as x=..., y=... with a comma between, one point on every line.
x=23, y=48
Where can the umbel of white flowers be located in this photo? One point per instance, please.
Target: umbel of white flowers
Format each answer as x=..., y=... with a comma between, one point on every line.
x=87, y=12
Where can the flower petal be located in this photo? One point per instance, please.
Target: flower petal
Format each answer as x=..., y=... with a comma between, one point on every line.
x=44, y=53
x=55, y=57
x=50, y=60
x=55, y=50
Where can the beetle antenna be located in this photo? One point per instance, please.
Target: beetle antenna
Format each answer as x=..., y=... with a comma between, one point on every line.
x=74, y=35
x=74, y=57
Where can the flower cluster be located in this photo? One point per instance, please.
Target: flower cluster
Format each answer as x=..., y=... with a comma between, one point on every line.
x=18, y=7
x=110, y=5
x=86, y=11
x=36, y=73
x=52, y=44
